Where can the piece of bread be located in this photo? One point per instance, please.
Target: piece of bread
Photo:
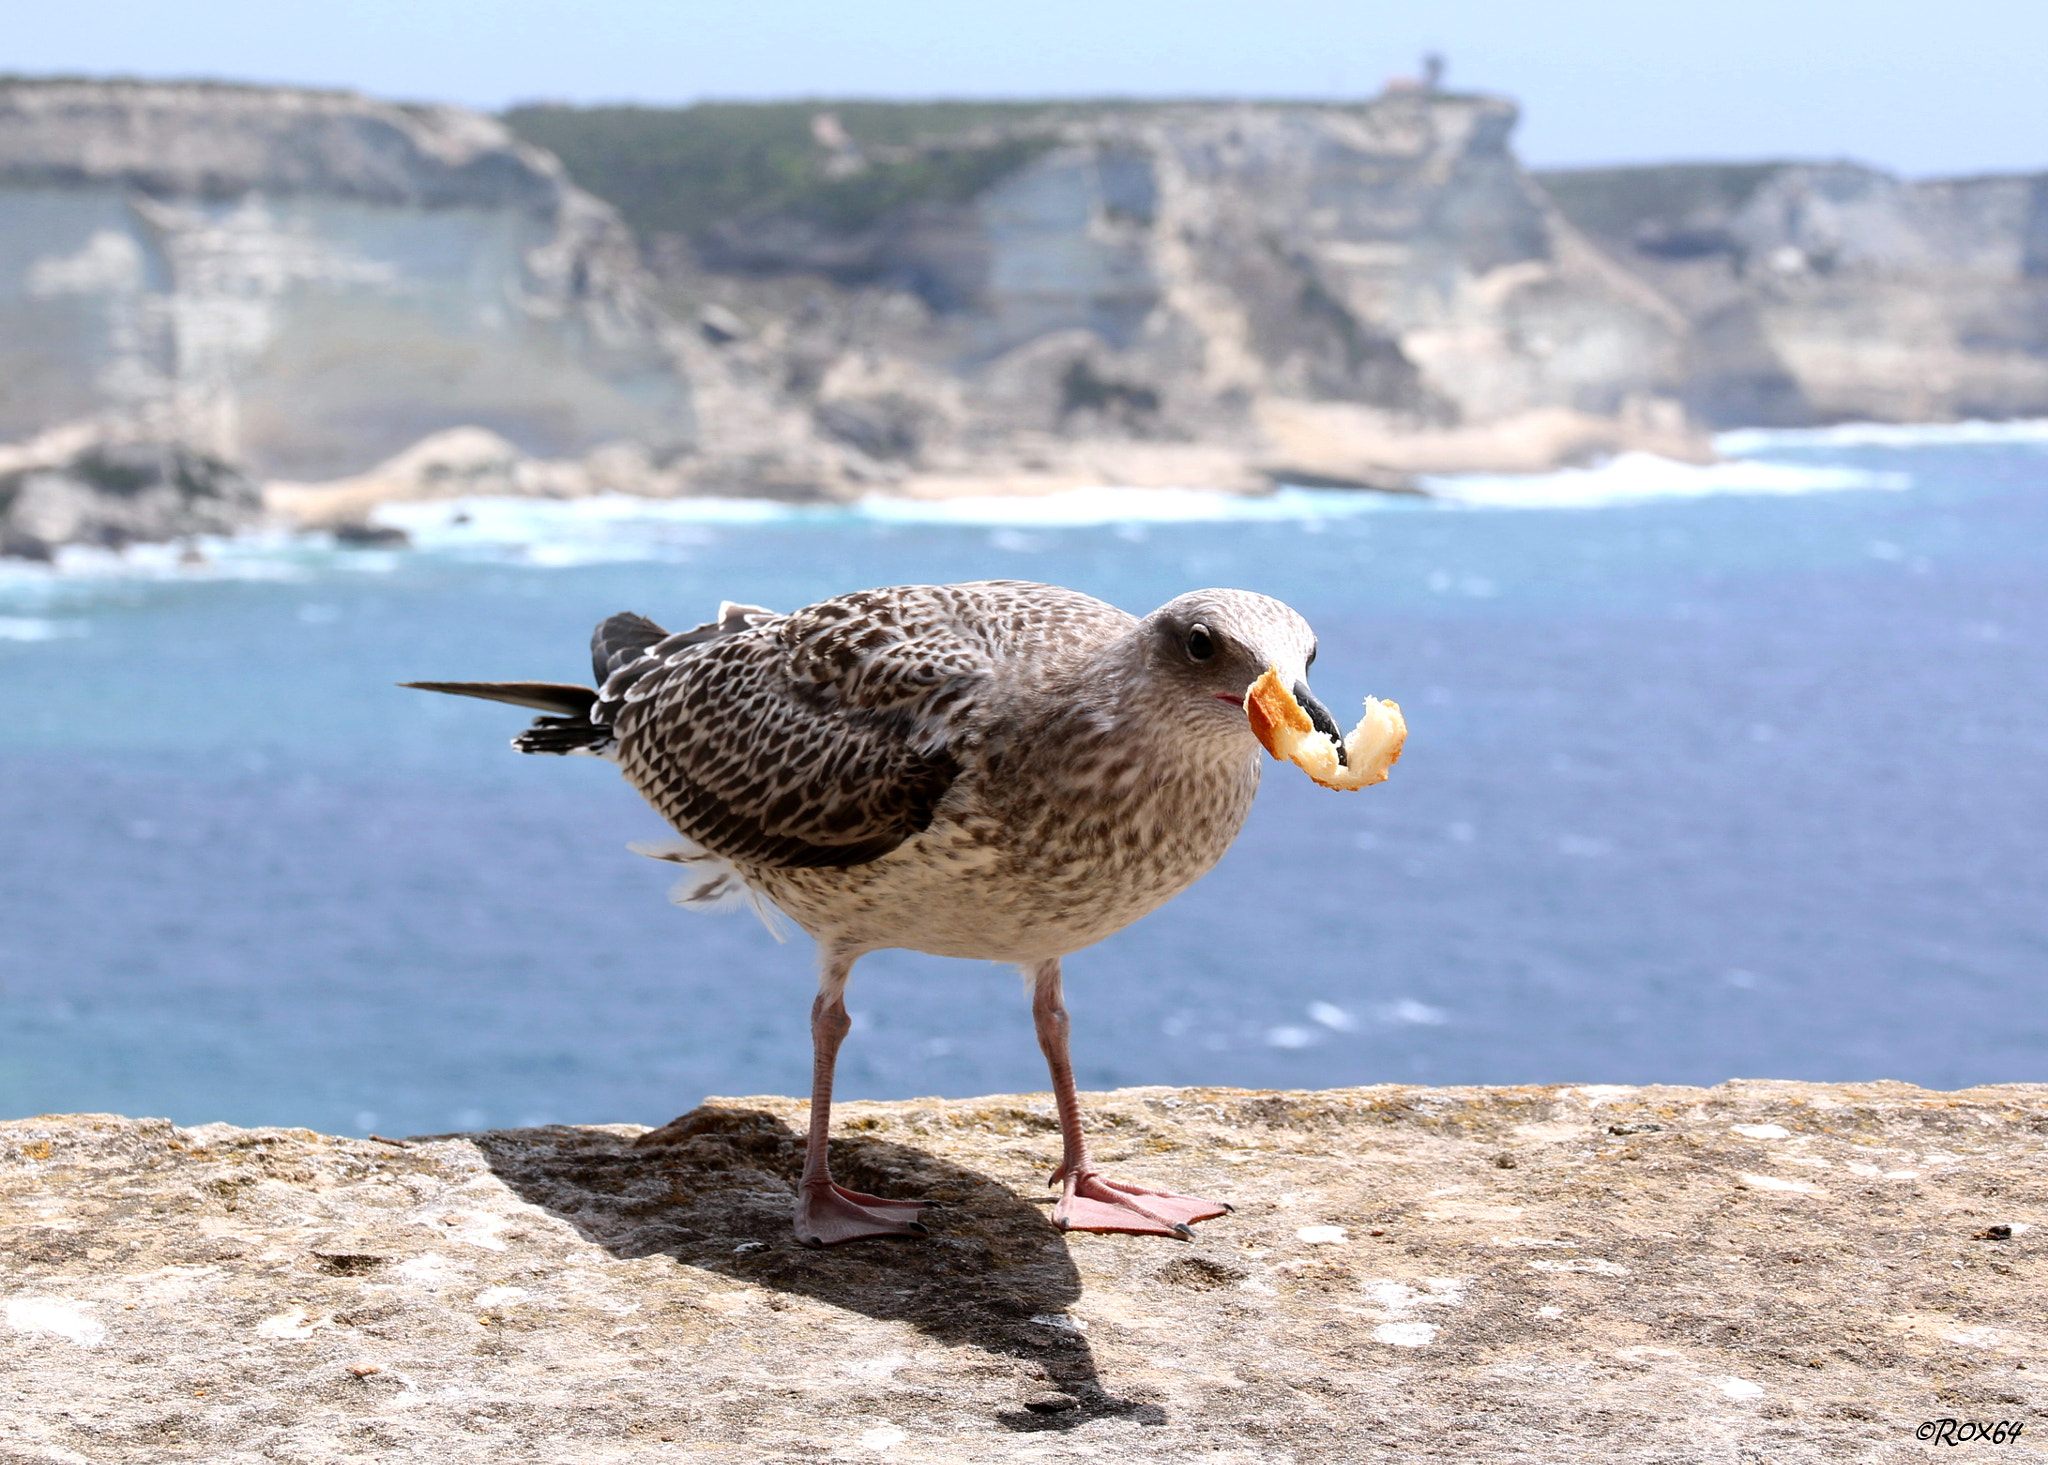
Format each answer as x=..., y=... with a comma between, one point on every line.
x=1284, y=728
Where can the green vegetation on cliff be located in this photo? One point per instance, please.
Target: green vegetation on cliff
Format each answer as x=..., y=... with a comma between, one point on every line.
x=1615, y=202
x=679, y=170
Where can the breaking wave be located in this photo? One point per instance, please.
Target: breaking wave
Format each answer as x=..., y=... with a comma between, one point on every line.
x=1635, y=478
x=35, y=628
x=582, y=530
x=1750, y=440
x=455, y=523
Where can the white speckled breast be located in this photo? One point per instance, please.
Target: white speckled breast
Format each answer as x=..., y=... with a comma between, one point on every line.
x=1007, y=875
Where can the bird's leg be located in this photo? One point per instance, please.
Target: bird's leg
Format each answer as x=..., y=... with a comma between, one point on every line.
x=1090, y=1200
x=827, y=1213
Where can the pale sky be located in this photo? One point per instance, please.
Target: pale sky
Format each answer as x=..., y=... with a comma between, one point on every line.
x=1957, y=87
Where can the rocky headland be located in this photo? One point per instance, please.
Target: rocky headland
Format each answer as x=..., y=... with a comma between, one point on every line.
x=820, y=302
x=1758, y=1271
x=1818, y=293
x=1218, y=295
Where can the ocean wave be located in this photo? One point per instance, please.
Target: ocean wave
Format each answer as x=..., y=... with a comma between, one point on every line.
x=556, y=531
x=1092, y=508
x=612, y=528
x=1635, y=478
x=80, y=576
x=36, y=628
x=620, y=528
x=570, y=525
x=1749, y=440
x=466, y=522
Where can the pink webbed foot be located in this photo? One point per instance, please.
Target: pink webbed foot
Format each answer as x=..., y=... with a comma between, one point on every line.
x=1094, y=1202
x=827, y=1214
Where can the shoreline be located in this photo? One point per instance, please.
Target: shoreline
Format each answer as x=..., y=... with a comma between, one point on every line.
x=1326, y=446
x=470, y=469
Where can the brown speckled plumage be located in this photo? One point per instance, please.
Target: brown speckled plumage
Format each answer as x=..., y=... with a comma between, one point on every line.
x=971, y=770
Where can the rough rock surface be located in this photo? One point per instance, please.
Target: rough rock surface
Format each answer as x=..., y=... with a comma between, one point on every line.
x=1759, y=1271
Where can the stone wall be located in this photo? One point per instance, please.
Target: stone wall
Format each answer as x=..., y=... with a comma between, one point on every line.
x=1759, y=1271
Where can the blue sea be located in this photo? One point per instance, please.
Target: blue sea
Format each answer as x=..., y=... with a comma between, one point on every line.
x=1728, y=771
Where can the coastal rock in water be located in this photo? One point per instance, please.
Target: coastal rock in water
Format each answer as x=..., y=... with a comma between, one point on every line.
x=116, y=494
x=1660, y=1273
x=468, y=462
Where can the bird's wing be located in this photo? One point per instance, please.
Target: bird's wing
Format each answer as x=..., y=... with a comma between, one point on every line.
x=824, y=738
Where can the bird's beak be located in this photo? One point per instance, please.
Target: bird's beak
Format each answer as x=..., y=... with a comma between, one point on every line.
x=1320, y=716
x=1268, y=714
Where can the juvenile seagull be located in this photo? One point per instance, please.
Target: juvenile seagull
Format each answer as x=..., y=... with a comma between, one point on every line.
x=1000, y=770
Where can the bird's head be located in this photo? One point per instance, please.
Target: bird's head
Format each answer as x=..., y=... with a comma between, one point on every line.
x=1207, y=647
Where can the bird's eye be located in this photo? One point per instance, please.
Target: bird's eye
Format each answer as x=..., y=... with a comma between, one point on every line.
x=1312, y=654
x=1201, y=644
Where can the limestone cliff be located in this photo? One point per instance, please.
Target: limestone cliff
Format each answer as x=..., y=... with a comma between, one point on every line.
x=308, y=282
x=1203, y=293
x=946, y=298
x=1822, y=292
x=1759, y=1271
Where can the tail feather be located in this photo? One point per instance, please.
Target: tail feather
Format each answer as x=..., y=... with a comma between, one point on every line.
x=556, y=698
x=568, y=727
x=563, y=736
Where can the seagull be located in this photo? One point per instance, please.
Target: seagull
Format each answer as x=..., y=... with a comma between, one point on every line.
x=1001, y=770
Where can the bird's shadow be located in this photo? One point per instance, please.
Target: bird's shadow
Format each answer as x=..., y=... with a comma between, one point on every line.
x=713, y=1189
